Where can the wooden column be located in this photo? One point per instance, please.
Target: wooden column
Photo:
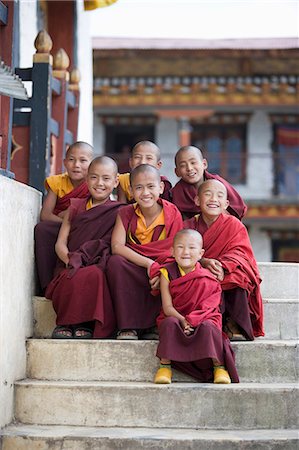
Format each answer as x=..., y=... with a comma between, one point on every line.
x=40, y=150
x=62, y=26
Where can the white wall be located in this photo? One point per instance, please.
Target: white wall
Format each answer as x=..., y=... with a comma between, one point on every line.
x=27, y=15
x=28, y=31
x=260, y=166
x=261, y=244
x=19, y=210
x=85, y=126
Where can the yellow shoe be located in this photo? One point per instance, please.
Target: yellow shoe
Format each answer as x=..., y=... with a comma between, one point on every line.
x=163, y=376
x=221, y=376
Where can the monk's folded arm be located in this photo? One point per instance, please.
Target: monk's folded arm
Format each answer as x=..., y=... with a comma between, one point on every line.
x=48, y=208
x=61, y=247
x=118, y=246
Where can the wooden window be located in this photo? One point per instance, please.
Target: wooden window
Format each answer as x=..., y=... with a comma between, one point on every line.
x=286, y=160
x=225, y=149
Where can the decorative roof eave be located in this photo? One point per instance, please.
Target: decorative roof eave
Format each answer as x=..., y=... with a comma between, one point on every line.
x=10, y=84
x=273, y=215
x=206, y=91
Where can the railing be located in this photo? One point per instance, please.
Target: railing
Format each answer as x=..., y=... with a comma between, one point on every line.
x=45, y=124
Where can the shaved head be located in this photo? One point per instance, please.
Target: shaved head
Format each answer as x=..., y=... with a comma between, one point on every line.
x=144, y=168
x=150, y=146
x=195, y=235
x=212, y=183
x=104, y=161
x=80, y=145
x=187, y=148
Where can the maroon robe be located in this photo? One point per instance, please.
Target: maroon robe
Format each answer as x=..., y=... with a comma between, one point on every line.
x=183, y=195
x=80, y=292
x=196, y=296
x=135, y=306
x=63, y=203
x=227, y=241
x=167, y=188
x=45, y=237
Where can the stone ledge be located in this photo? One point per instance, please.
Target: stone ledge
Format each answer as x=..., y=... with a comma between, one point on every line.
x=23, y=437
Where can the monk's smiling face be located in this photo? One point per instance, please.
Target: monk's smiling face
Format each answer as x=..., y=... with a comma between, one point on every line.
x=101, y=180
x=76, y=163
x=146, y=188
x=212, y=199
x=187, y=249
x=145, y=153
x=190, y=165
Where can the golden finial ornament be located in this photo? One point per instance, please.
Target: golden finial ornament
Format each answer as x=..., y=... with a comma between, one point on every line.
x=75, y=78
x=60, y=64
x=43, y=44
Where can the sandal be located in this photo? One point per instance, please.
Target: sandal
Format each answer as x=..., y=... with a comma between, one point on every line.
x=132, y=336
x=87, y=333
x=233, y=335
x=62, y=332
x=151, y=334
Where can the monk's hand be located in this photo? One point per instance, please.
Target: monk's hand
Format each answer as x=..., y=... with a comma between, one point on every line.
x=150, y=262
x=220, y=275
x=214, y=266
x=61, y=214
x=155, y=283
x=188, y=329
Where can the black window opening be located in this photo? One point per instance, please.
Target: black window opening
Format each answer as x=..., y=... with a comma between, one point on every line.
x=285, y=250
x=120, y=139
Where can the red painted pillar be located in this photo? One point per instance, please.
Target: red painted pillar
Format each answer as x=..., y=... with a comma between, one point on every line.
x=184, y=132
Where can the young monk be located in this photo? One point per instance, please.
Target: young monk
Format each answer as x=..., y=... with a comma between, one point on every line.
x=79, y=291
x=229, y=257
x=191, y=167
x=142, y=234
x=60, y=190
x=144, y=152
x=190, y=324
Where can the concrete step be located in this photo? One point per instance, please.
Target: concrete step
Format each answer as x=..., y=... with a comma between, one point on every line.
x=26, y=437
x=280, y=280
x=180, y=405
x=112, y=360
x=281, y=318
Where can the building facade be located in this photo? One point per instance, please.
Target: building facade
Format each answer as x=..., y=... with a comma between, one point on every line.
x=237, y=98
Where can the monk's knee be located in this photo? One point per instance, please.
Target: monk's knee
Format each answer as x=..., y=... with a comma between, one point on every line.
x=169, y=323
x=114, y=262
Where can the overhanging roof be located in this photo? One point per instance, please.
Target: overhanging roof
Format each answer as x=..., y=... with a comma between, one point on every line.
x=10, y=84
x=109, y=43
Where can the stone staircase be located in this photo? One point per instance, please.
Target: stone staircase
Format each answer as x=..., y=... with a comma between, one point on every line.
x=85, y=395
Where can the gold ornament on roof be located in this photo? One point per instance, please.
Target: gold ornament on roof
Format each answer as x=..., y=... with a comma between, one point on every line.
x=89, y=5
